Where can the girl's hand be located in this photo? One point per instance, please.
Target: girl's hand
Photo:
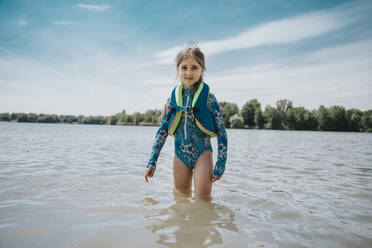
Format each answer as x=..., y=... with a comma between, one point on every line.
x=215, y=178
x=149, y=173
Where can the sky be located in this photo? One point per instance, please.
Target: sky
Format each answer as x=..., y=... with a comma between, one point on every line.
x=95, y=57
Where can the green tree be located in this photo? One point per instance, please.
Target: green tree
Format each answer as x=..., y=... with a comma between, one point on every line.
x=123, y=118
x=81, y=119
x=248, y=112
x=284, y=106
x=311, y=122
x=259, y=118
x=98, y=120
x=273, y=118
x=13, y=116
x=367, y=121
x=32, y=117
x=152, y=116
x=5, y=117
x=236, y=121
x=325, y=120
x=138, y=118
x=228, y=110
x=22, y=117
x=354, y=119
x=113, y=120
x=296, y=118
x=338, y=116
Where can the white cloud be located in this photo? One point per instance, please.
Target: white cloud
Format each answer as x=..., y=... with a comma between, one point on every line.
x=94, y=7
x=158, y=81
x=283, y=31
x=65, y=23
x=100, y=83
x=336, y=75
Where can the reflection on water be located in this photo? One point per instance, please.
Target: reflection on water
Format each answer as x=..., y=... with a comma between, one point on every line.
x=190, y=222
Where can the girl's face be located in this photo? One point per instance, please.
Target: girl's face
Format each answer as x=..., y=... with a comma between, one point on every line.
x=190, y=72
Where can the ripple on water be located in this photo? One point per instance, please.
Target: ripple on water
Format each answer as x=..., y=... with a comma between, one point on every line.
x=360, y=195
x=290, y=215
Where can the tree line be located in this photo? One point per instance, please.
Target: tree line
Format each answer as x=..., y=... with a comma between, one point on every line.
x=150, y=117
x=284, y=116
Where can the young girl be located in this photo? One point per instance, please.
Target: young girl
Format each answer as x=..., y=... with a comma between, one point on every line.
x=192, y=114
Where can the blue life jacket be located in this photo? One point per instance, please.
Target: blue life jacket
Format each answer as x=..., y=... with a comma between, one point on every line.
x=199, y=110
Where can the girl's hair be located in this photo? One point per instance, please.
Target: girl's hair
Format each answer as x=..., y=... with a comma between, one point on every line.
x=191, y=52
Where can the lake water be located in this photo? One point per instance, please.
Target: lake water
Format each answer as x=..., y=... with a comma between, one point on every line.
x=65, y=185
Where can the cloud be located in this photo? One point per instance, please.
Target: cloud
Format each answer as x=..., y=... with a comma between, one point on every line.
x=282, y=31
x=65, y=23
x=94, y=7
x=99, y=83
x=335, y=75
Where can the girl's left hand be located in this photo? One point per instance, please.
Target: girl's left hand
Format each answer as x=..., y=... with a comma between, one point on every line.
x=215, y=178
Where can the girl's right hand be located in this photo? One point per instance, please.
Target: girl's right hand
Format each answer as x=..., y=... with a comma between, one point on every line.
x=149, y=173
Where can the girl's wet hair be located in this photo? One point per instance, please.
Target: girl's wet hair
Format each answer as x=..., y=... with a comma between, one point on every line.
x=191, y=52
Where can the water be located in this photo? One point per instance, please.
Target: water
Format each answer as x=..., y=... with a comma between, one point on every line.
x=67, y=185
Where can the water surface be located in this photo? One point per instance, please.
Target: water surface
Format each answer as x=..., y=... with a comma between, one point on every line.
x=64, y=185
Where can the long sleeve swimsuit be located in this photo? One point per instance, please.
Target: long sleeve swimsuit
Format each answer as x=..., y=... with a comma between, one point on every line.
x=190, y=142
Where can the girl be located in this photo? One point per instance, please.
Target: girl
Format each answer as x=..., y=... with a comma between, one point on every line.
x=192, y=114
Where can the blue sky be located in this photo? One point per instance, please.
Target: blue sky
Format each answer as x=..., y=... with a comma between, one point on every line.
x=100, y=57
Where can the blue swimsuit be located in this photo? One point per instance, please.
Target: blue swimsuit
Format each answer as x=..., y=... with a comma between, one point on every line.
x=190, y=142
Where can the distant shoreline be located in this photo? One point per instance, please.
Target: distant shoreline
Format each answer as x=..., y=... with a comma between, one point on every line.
x=77, y=123
x=156, y=125
x=285, y=116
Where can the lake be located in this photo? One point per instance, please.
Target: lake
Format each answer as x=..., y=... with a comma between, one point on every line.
x=64, y=185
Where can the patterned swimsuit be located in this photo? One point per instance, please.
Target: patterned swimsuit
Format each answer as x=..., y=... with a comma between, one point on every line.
x=190, y=142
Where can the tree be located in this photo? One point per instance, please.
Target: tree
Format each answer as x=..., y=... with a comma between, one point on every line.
x=152, y=116
x=338, y=116
x=5, y=117
x=81, y=118
x=311, y=122
x=138, y=117
x=296, y=118
x=354, y=119
x=113, y=120
x=13, y=116
x=248, y=112
x=284, y=106
x=273, y=118
x=22, y=117
x=32, y=117
x=236, y=121
x=325, y=120
x=367, y=121
x=259, y=118
x=228, y=110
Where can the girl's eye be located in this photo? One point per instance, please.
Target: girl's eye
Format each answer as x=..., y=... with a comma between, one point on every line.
x=192, y=68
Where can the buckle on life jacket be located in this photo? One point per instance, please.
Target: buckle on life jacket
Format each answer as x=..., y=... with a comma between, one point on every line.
x=187, y=109
x=182, y=109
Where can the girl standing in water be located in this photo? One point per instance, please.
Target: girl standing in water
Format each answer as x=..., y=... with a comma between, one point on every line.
x=192, y=115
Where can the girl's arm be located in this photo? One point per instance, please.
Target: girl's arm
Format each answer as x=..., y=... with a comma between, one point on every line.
x=160, y=137
x=214, y=107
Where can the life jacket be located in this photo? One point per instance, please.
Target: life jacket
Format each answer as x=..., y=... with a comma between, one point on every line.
x=199, y=110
